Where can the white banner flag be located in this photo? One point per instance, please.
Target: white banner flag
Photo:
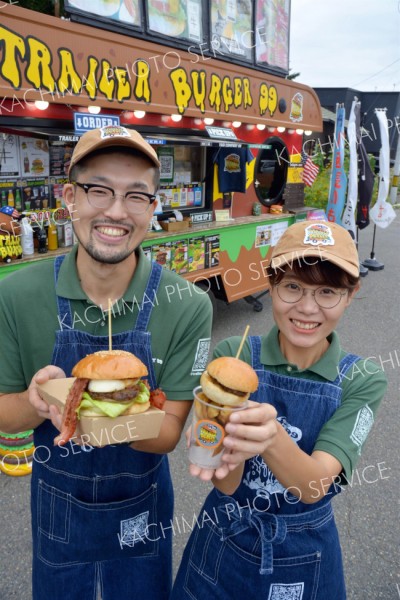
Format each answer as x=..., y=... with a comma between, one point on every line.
x=382, y=212
x=348, y=220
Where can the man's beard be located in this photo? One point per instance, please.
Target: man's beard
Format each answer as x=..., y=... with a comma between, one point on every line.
x=103, y=258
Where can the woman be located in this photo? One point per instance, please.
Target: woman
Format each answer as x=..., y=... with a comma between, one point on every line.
x=267, y=527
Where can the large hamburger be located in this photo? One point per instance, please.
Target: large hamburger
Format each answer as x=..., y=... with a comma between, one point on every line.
x=108, y=384
x=228, y=381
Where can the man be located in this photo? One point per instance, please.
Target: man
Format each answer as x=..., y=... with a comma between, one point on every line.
x=85, y=500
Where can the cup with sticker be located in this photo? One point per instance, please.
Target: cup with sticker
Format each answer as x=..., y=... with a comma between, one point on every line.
x=208, y=430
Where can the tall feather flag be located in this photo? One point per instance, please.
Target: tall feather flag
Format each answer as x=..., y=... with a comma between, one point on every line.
x=310, y=170
x=348, y=220
x=338, y=184
x=365, y=177
x=382, y=213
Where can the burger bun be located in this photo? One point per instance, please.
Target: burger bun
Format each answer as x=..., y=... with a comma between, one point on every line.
x=110, y=364
x=225, y=376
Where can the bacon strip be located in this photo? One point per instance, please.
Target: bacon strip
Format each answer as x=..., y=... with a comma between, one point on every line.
x=69, y=420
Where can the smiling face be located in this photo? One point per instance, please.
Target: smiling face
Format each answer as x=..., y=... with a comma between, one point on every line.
x=303, y=325
x=110, y=235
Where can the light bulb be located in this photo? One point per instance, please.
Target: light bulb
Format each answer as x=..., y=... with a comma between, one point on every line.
x=260, y=126
x=299, y=131
x=308, y=132
x=281, y=129
x=41, y=104
x=176, y=118
x=236, y=124
x=94, y=110
x=139, y=114
x=208, y=120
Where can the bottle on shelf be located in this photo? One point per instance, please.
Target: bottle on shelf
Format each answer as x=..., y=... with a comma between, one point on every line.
x=26, y=237
x=10, y=199
x=18, y=201
x=52, y=238
x=3, y=198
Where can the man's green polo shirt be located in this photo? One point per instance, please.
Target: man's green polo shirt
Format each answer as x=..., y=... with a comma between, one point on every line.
x=363, y=388
x=180, y=322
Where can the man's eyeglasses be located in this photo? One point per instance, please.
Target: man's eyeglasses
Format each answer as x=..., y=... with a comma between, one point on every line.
x=100, y=196
x=325, y=297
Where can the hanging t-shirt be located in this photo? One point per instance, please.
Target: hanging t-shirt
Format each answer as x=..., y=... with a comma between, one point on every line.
x=232, y=168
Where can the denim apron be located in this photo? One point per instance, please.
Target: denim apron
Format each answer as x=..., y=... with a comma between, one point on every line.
x=92, y=507
x=263, y=542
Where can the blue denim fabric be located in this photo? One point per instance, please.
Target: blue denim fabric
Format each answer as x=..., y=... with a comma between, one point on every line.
x=92, y=507
x=263, y=540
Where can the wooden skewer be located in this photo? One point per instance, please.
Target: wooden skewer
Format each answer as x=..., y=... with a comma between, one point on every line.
x=109, y=325
x=243, y=341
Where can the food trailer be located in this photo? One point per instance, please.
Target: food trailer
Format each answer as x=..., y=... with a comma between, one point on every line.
x=205, y=83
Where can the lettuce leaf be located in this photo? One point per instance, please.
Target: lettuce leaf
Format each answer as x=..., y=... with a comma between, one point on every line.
x=112, y=409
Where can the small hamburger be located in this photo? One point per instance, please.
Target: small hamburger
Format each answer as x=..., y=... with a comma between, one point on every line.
x=108, y=384
x=228, y=381
x=276, y=209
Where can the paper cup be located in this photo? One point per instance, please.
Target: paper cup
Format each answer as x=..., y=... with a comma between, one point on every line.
x=208, y=430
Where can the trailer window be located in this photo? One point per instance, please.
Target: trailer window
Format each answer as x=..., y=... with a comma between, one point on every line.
x=270, y=171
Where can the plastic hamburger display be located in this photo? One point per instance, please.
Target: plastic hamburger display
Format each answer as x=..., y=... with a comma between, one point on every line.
x=16, y=453
x=225, y=387
x=107, y=401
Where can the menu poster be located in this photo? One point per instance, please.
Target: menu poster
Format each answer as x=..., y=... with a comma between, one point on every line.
x=9, y=156
x=34, y=157
x=35, y=194
x=56, y=187
x=8, y=193
x=272, y=33
x=231, y=28
x=60, y=156
x=123, y=11
x=176, y=18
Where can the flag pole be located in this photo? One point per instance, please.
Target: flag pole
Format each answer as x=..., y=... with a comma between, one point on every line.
x=363, y=270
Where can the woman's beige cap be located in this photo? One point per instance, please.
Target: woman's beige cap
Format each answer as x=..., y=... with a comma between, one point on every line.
x=111, y=135
x=320, y=239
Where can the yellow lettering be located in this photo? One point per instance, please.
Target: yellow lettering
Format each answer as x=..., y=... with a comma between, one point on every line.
x=215, y=92
x=238, y=91
x=142, y=87
x=199, y=89
x=39, y=72
x=9, y=67
x=182, y=89
x=227, y=94
x=106, y=85
x=263, y=99
x=68, y=74
x=247, y=99
x=273, y=99
x=90, y=82
x=123, y=86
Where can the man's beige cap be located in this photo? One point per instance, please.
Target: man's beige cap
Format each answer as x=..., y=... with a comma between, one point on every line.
x=111, y=135
x=320, y=239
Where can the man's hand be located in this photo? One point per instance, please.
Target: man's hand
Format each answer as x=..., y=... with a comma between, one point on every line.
x=43, y=409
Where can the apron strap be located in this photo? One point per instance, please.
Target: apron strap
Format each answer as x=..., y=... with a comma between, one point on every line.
x=149, y=297
x=345, y=364
x=63, y=304
x=255, y=347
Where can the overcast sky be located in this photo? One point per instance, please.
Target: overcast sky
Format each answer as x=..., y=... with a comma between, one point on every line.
x=346, y=43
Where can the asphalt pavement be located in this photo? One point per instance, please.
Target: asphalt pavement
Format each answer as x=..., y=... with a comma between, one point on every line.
x=367, y=513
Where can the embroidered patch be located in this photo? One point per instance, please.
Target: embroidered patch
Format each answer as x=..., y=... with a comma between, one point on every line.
x=133, y=530
x=113, y=131
x=201, y=358
x=318, y=234
x=362, y=426
x=286, y=591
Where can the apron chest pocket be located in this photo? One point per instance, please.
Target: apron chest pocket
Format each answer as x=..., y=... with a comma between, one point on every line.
x=74, y=532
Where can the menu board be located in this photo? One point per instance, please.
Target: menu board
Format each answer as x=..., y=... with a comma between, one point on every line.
x=9, y=156
x=176, y=18
x=124, y=11
x=60, y=157
x=231, y=28
x=34, y=157
x=272, y=28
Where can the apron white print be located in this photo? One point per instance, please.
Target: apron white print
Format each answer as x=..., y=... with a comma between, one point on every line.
x=133, y=530
x=362, y=426
x=286, y=591
x=260, y=478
